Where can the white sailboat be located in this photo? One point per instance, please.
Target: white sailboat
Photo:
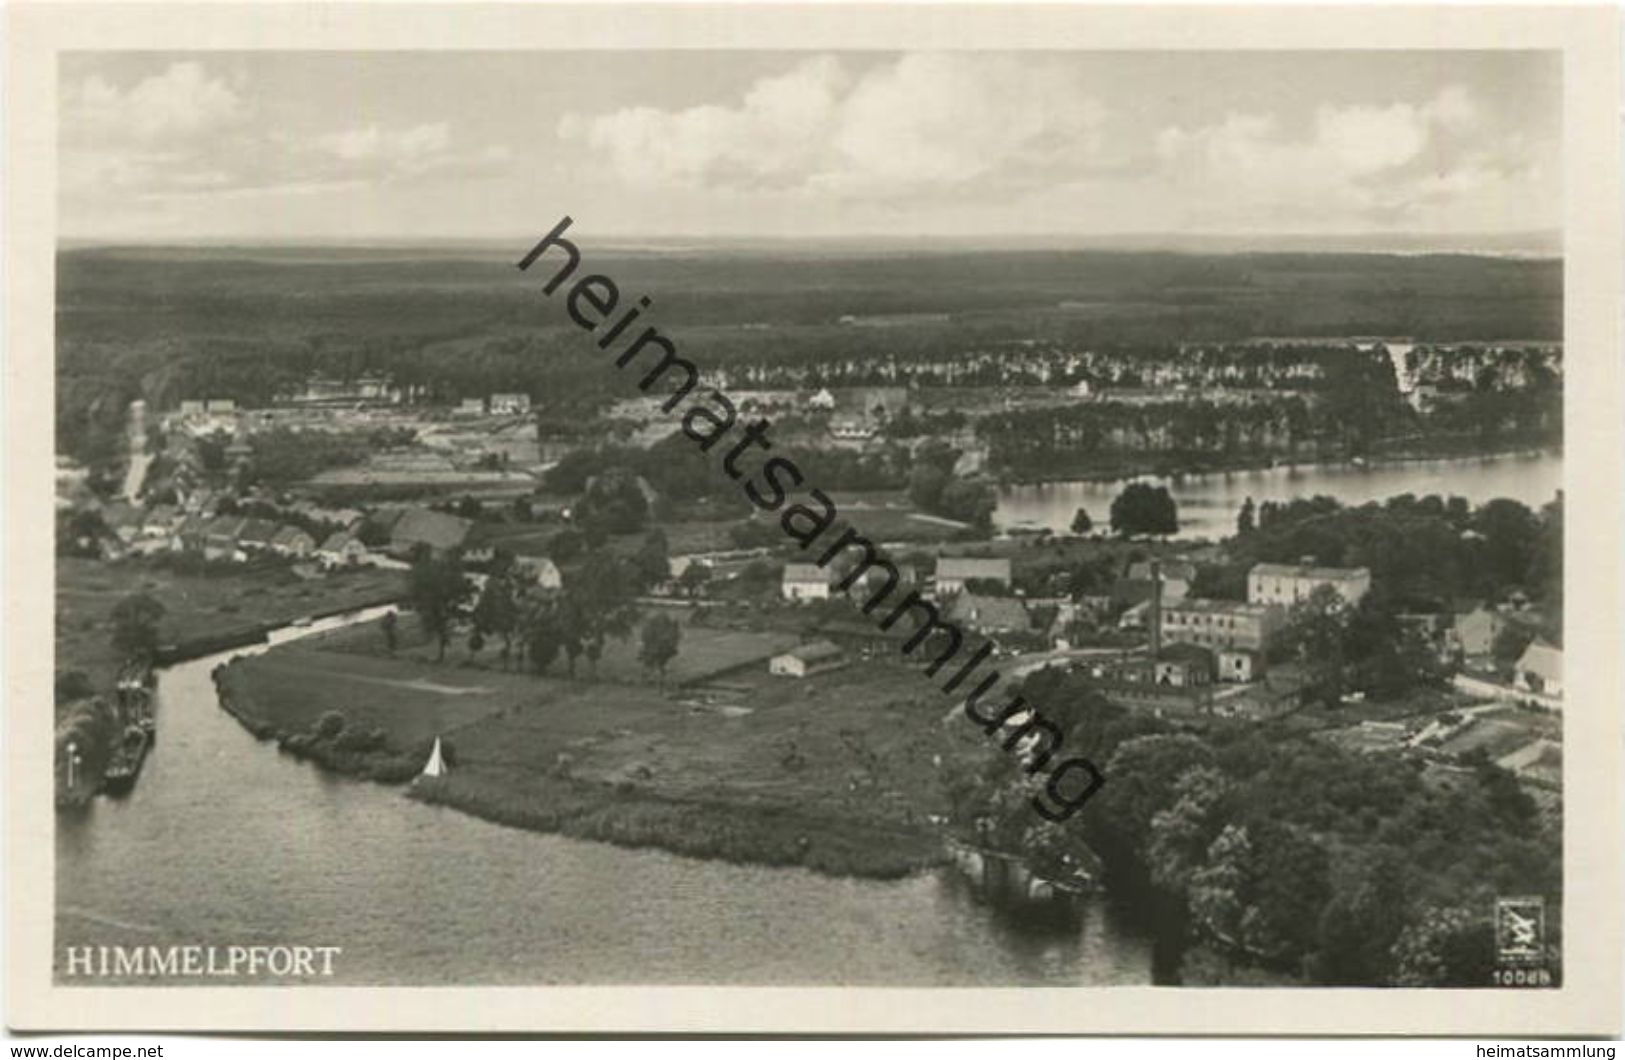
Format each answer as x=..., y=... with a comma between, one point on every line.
x=436, y=766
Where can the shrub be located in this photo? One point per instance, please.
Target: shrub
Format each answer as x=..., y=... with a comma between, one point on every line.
x=329, y=725
x=357, y=740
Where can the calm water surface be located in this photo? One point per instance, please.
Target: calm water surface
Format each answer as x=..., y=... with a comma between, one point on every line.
x=225, y=841
x=1208, y=504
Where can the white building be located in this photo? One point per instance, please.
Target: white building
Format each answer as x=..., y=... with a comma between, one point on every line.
x=342, y=550
x=545, y=570
x=804, y=660
x=1540, y=670
x=1286, y=584
x=805, y=581
x=509, y=404
x=1240, y=665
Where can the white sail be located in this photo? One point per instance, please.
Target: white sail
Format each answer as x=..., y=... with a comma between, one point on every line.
x=436, y=765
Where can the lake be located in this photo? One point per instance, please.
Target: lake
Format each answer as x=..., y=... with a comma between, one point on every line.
x=1209, y=503
x=226, y=841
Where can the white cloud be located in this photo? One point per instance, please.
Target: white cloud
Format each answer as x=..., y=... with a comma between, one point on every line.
x=775, y=136
x=408, y=150
x=1354, y=162
x=181, y=102
x=925, y=122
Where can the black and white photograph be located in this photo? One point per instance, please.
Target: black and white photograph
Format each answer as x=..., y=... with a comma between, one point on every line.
x=775, y=516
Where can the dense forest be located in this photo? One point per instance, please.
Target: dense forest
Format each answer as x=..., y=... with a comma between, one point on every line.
x=1258, y=855
x=250, y=323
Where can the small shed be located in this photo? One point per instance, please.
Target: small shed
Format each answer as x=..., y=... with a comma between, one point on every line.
x=805, y=660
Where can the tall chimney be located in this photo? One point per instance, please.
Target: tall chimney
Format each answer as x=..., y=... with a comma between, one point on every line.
x=1156, y=610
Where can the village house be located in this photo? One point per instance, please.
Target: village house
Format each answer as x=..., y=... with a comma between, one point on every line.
x=341, y=549
x=989, y=614
x=1133, y=596
x=322, y=390
x=1475, y=632
x=124, y=519
x=255, y=536
x=470, y=407
x=190, y=535
x=1176, y=575
x=161, y=521
x=509, y=404
x=409, y=528
x=805, y=660
x=874, y=580
x=1184, y=666
x=292, y=541
x=544, y=570
x=220, y=538
x=1286, y=584
x=804, y=581
x=1540, y=670
x=200, y=501
x=1240, y=665
x=852, y=430
x=955, y=572
x=1221, y=624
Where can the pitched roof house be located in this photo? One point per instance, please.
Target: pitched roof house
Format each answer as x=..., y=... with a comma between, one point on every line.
x=161, y=521
x=439, y=532
x=124, y=519
x=1172, y=570
x=256, y=534
x=545, y=571
x=292, y=541
x=953, y=572
x=191, y=532
x=341, y=549
x=804, y=581
x=804, y=660
x=989, y=614
x=1540, y=670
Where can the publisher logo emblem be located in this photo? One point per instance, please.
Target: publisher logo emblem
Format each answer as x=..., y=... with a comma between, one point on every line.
x=1520, y=930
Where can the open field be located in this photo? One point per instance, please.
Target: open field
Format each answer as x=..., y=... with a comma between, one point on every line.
x=87, y=591
x=294, y=685
x=704, y=651
x=747, y=767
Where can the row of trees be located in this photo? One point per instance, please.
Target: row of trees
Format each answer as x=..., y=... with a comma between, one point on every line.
x=534, y=627
x=1425, y=553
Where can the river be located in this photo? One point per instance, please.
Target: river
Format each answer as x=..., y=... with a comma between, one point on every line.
x=1209, y=503
x=225, y=841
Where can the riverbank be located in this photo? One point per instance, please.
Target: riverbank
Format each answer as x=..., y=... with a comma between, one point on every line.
x=741, y=767
x=203, y=614
x=1095, y=468
x=627, y=816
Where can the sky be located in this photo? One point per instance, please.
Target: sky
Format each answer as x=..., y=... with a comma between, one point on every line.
x=346, y=146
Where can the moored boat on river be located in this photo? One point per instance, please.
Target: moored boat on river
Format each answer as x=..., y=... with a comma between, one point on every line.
x=1008, y=881
x=128, y=756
